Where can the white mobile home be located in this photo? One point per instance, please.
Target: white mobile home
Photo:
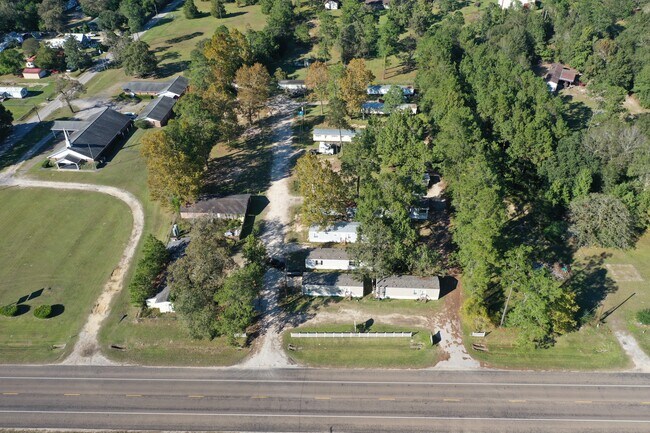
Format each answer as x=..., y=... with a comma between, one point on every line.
x=161, y=301
x=381, y=90
x=333, y=135
x=376, y=107
x=295, y=86
x=339, y=233
x=331, y=284
x=329, y=259
x=13, y=92
x=408, y=287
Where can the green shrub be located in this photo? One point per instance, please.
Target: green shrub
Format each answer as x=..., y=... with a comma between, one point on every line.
x=46, y=164
x=643, y=316
x=9, y=310
x=43, y=311
x=142, y=124
x=153, y=261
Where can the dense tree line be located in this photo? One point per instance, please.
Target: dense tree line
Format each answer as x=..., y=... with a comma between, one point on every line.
x=522, y=181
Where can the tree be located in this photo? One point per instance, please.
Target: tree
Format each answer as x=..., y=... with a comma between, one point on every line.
x=301, y=33
x=337, y=116
x=541, y=308
x=253, y=86
x=69, y=89
x=75, y=56
x=280, y=20
x=190, y=10
x=354, y=85
x=254, y=250
x=51, y=13
x=642, y=86
x=195, y=278
x=317, y=82
x=5, y=122
x=328, y=31
x=325, y=194
x=110, y=20
x=49, y=58
x=393, y=99
x=217, y=8
x=388, y=41
x=144, y=283
x=138, y=60
x=235, y=300
x=11, y=62
x=175, y=158
x=601, y=220
x=135, y=13
x=94, y=8
x=30, y=46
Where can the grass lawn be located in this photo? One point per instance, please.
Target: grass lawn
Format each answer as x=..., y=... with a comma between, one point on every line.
x=414, y=352
x=628, y=274
x=24, y=144
x=587, y=349
x=41, y=249
x=174, y=38
x=39, y=91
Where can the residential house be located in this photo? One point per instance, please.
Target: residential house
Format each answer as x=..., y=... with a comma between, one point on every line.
x=34, y=73
x=381, y=90
x=408, y=287
x=233, y=207
x=376, y=107
x=332, y=5
x=329, y=259
x=30, y=62
x=332, y=284
x=505, y=4
x=161, y=301
x=174, y=88
x=341, y=232
x=158, y=111
x=560, y=74
x=13, y=92
x=82, y=38
x=293, y=86
x=90, y=140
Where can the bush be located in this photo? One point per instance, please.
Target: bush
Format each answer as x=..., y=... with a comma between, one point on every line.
x=142, y=124
x=643, y=316
x=153, y=261
x=190, y=10
x=43, y=311
x=9, y=310
x=46, y=164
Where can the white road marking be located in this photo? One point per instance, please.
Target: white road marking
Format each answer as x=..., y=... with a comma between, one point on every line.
x=337, y=382
x=302, y=415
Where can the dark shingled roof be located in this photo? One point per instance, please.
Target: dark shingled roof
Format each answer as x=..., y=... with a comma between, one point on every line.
x=410, y=282
x=328, y=253
x=176, y=85
x=331, y=279
x=233, y=205
x=100, y=131
x=158, y=109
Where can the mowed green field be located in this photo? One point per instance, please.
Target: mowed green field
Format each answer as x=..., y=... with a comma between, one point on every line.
x=67, y=243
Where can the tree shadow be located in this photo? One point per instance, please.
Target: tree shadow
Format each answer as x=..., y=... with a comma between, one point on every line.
x=161, y=48
x=57, y=310
x=169, y=55
x=183, y=38
x=447, y=285
x=172, y=68
x=235, y=14
x=577, y=113
x=22, y=309
x=591, y=284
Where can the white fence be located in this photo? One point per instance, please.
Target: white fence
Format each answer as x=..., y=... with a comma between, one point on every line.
x=350, y=334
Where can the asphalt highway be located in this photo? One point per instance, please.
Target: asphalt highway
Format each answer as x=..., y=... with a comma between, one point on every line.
x=306, y=400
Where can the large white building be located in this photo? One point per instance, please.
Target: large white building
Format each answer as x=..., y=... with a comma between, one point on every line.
x=329, y=259
x=13, y=92
x=332, y=284
x=342, y=232
x=408, y=287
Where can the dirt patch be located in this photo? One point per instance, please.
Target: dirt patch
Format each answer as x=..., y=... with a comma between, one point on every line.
x=624, y=273
x=349, y=315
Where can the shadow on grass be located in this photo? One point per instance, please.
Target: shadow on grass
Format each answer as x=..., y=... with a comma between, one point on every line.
x=591, y=284
x=578, y=114
x=298, y=309
x=183, y=38
x=22, y=309
x=57, y=310
x=169, y=69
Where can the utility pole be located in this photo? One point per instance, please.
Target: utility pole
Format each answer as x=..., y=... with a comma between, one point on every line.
x=505, y=308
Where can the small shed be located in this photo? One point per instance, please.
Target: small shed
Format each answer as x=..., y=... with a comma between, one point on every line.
x=233, y=207
x=341, y=232
x=34, y=73
x=329, y=259
x=332, y=5
x=408, y=287
x=161, y=301
x=13, y=92
x=158, y=111
x=332, y=284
